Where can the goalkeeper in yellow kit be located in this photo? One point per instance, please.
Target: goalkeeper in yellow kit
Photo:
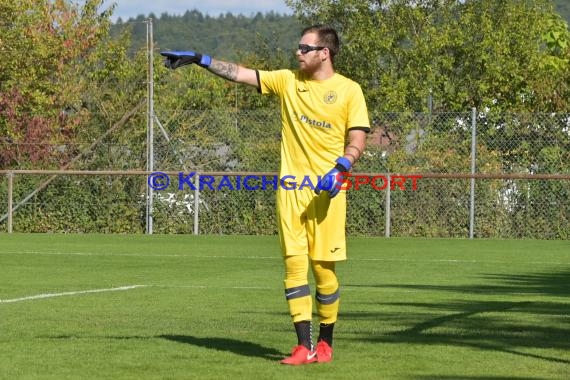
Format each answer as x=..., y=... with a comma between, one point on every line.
x=324, y=126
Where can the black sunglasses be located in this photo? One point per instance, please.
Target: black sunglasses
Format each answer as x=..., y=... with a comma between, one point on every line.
x=304, y=49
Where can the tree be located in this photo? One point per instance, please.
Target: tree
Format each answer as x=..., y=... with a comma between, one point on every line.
x=509, y=59
x=65, y=86
x=469, y=53
x=43, y=44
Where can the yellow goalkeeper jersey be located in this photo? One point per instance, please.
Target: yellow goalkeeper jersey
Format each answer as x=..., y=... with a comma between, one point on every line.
x=316, y=117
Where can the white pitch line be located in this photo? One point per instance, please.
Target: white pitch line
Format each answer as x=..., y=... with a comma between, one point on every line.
x=216, y=287
x=78, y=292
x=278, y=257
x=142, y=255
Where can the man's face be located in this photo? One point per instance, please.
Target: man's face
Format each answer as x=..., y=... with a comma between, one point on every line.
x=310, y=61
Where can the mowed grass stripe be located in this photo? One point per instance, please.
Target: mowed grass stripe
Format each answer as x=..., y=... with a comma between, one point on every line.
x=214, y=307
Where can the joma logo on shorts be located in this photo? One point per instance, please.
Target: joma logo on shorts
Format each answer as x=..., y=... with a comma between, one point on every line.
x=315, y=123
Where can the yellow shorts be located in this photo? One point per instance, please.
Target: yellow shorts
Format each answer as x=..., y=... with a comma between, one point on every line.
x=311, y=224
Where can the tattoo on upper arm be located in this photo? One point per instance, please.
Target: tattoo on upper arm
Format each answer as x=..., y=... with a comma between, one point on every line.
x=225, y=70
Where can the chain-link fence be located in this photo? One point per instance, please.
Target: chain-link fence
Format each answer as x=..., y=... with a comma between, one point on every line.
x=509, y=179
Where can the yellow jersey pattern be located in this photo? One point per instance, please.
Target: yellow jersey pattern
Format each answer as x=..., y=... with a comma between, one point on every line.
x=316, y=117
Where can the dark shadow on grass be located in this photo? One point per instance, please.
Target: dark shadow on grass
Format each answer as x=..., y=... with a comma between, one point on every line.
x=552, y=284
x=463, y=377
x=506, y=324
x=238, y=347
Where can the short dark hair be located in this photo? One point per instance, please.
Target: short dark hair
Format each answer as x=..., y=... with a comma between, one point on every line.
x=328, y=37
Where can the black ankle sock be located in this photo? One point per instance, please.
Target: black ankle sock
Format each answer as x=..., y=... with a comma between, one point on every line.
x=304, y=334
x=326, y=333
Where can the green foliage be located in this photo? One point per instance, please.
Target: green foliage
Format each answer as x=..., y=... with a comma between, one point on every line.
x=69, y=78
x=227, y=37
x=65, y=81
x=41, y=44
x=239, y=212
x=82, y=204
x=475, y=53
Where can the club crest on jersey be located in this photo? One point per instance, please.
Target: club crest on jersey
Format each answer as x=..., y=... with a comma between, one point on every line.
x=330, y=97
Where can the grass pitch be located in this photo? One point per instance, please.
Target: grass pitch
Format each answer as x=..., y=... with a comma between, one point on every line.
x=211, y=307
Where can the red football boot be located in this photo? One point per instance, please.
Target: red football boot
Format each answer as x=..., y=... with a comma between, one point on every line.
x=324, y=352
x=300, y=355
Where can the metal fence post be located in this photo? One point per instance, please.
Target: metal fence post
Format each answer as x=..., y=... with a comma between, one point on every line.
x=150, y=125
x=10, y=200
x=388, y=206
x=197, y=204
x=473, y=168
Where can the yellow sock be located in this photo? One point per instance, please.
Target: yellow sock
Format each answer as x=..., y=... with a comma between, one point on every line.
x=328, y=294
x=297, y=291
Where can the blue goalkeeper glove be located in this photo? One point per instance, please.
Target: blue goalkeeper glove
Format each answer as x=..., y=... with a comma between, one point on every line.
x=176, y=59
x=333, y=180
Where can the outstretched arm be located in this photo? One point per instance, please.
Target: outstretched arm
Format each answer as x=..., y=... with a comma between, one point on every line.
x=234, y=72
x=227, y=70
